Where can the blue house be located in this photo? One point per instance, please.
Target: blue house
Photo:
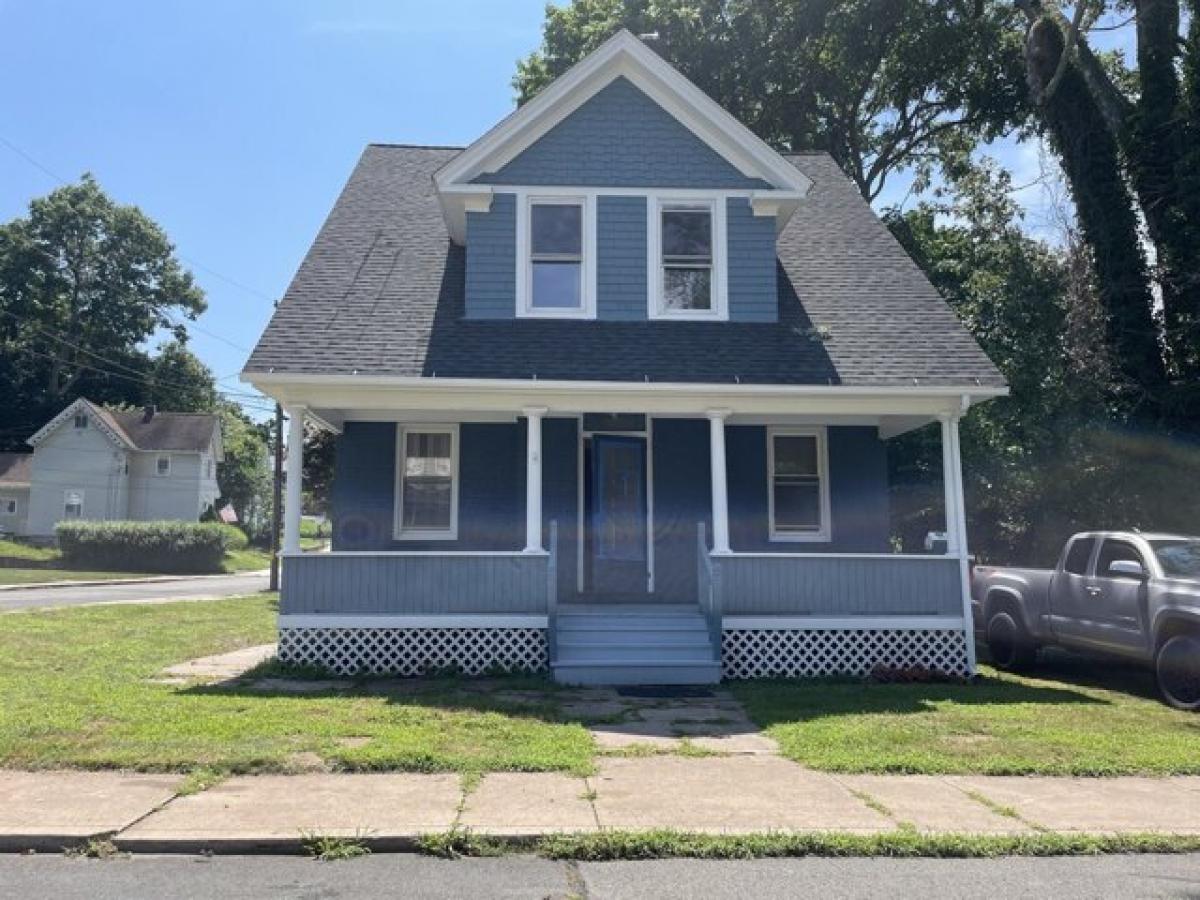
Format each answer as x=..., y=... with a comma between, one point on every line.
x=613, y=388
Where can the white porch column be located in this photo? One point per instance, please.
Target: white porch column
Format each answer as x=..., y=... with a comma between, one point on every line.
x=720, y=492
x=957, y=525
x=533, y=479
x=295, y=479
x=950, y=482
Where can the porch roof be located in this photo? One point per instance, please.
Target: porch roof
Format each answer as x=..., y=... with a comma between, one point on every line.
x=381, y=294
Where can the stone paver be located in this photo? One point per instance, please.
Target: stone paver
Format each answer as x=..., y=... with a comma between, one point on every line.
x=78, y=804
x=716, y=794
x=281, y=807
x=529, y=803
x=931, y=804
x=1094, y=804
x=220, y=667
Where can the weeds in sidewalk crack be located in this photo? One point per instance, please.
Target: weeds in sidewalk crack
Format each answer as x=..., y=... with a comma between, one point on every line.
x=458, y=842
x=95, y=848
x=328, y=848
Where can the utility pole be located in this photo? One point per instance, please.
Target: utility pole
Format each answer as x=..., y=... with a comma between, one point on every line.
x=277, y=498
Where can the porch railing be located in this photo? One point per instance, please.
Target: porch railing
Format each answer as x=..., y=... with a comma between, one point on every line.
x=709, y=589
x=416, y=583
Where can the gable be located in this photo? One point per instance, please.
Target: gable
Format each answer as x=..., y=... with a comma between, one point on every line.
x=620, y=137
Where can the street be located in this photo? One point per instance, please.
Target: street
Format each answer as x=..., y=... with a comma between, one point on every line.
x=410, y=876
x=202, y=587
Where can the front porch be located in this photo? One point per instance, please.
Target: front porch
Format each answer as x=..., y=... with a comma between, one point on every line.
x=656, y=546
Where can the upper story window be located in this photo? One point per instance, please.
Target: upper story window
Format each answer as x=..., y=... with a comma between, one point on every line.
x=81, y=420
x=686, y=256
x=162, y=465
x=8, y=506
x=554, y=279
x=73, y=504
x=799, y=484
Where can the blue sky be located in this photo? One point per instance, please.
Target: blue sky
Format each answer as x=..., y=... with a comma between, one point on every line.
x=235, y=124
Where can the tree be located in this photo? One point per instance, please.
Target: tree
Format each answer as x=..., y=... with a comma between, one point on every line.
x=245, y=475
x=320, y=447
x=882, y=85
x=84, y=282
x=180, y=382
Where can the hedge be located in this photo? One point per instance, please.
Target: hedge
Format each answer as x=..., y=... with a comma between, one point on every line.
x=143, y=546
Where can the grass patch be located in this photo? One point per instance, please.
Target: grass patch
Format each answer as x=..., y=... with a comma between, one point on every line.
x=1073, y=716
x=248, y=560
x=18, y=550
x=79, y=691
x=902, y=842
x=43, y=576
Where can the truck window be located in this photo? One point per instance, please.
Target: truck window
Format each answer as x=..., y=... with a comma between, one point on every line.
x=1111, y=551
x=1078, y=556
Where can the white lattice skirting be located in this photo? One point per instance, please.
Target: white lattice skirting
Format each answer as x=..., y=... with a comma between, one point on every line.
x=415, y=651
x=798, y=653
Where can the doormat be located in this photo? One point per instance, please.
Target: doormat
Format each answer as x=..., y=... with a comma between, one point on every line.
x=666, y=692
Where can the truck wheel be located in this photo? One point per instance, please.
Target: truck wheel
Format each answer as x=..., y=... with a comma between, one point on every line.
x=1009, y=643
x=1177, y=668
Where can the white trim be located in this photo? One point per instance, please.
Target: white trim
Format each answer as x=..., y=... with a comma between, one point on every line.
x=5, y=500
x=526, y=199
x=82, y=503
x=825, y=534
x=533, y=478
x=432, y=621
x=737, y=554
x=655, y=203
x=438, y=553
x=649, y=504
x=399, y=533
x=623, y=54
x=842, y=623
x=94, y=418
x=580, y=533
x=718, y=481
x=294, y=477
x=158, y=472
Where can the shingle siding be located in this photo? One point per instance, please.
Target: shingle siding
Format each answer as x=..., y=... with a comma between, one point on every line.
x=753, y=293
x=621, y=138
x=621, y=258
x=491, y=286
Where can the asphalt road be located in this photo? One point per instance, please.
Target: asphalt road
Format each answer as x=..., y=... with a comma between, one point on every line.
x=200, y=588
x=409, y=876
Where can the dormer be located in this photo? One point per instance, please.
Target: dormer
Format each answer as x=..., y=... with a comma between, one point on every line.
x=621, y=192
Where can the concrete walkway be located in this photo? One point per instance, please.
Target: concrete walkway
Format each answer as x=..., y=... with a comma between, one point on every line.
x=717, y=794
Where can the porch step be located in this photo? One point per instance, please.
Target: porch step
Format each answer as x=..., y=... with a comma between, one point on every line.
x=643, y=644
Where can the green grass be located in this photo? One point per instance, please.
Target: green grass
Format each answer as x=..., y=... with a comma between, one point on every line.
x=248, y=560
x=1072, y=716
x=78, y=691
x=17, y=550
x=39, y=576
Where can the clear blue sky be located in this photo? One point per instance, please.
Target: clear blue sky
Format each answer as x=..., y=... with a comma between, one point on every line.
x=234, y=123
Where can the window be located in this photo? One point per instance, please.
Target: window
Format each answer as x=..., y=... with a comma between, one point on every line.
x=208, y=464
x=798, y=497
x=1179, y=559
x=1079, y=556
x=427, y=482
x=8, y=506
x=687, y=237
x=1111, y=552
x=81, y=420
x=555, y=279
x=73, y=505
x=162, y=465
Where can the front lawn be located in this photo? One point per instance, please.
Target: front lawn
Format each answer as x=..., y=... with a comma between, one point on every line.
x=1071, y=716
x=250, y=559
x=78, y=690
x=39, y=576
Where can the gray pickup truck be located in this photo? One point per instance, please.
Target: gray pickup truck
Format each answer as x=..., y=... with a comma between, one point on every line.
x=1117, y=592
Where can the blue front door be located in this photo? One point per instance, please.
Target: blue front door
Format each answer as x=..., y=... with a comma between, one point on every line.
x=618, y=515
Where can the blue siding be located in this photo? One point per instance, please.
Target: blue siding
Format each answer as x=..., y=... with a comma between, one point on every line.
x=857, y=490
x=491, y=279
x=751, y=242
x=621, y=258
x=621, y=138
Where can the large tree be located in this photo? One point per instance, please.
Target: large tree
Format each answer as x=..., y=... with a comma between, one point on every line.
x=882, y=85
x=84, y=282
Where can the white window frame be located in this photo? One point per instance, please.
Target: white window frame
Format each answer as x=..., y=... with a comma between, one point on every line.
x=424, y=534
x=82, y=502
x=587, y=288
x=822, y=438
x=159, y=458
x=7, y=500
x=655, y=203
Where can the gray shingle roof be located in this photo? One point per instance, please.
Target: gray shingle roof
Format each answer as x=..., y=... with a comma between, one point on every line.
x=183, y=432
x=381, y=293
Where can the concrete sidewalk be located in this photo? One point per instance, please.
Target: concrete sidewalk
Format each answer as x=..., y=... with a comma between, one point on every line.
x=720, y=795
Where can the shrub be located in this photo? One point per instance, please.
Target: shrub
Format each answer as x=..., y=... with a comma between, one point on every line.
x=143, y=546
x=235, y=538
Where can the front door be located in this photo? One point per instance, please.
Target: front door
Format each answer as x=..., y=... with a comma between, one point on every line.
x=617, y=538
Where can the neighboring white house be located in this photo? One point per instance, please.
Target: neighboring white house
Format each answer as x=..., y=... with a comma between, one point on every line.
x=14, y=491
x=89, y=462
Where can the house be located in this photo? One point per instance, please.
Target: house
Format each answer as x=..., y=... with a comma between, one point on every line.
x=89, y=462
x=14, y=492
x=612, y=388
